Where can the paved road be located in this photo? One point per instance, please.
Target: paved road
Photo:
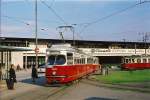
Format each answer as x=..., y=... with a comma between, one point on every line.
x=84, y=91
x=26, y=90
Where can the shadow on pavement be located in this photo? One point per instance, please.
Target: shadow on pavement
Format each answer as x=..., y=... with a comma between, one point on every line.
x=38, y=81
x=98, y=98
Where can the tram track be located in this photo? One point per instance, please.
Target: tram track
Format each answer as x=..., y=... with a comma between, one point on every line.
x=38, y=93
x=60, y=94
x=71, y=87
x=33, y=92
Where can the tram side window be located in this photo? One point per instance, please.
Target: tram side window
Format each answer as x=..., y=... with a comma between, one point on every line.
x=69, y=58
x=127, y=61
x=133, y=61
x=78, y=61
x=148, y=60
x=144, y=60
x=95, y=61
x=89, y=60
x=82, y=60
x=75, y=61
x=138, y=60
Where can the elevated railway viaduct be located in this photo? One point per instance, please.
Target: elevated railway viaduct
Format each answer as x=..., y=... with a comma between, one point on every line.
x=109, y=52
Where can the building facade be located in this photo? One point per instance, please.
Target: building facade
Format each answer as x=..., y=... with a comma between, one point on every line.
x=107, y=51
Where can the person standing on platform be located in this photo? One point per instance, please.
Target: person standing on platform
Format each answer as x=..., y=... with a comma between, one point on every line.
x=34, y=74
x=12, y=73
x=12, y=77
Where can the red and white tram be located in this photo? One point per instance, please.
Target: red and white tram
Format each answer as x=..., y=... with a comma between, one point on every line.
x=65, y=64
x=136, y=62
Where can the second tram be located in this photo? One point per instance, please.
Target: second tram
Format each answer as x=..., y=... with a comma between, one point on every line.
x=136, y=62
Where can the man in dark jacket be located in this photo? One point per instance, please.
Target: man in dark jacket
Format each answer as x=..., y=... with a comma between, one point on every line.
x=12, y=78
x=34, y=73
x=12, y=74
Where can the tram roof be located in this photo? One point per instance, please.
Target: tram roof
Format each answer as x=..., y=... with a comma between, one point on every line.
x=63, y=47
x=12, y=48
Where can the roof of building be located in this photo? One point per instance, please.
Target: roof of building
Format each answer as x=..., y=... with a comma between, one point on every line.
x=12, y=48
x=77, y=41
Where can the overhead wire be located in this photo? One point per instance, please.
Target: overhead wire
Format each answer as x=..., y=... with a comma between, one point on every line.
x=49, y=7
x=22, y=20
x=52, y=2
x=15, y=19
x=112, y=14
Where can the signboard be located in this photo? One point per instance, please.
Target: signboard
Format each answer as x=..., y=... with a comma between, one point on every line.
x=36, y=50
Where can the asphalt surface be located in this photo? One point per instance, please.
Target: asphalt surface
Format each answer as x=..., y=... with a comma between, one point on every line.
x=85, y=91
x=25, y=89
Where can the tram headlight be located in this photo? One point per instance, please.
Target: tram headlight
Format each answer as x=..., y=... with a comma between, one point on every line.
x=54, y=73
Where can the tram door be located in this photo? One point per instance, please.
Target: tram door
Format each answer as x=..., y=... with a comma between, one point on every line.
x=5, y=62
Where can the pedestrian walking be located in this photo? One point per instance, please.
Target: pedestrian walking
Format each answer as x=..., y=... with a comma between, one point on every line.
x=34, y=74
x=18, y=67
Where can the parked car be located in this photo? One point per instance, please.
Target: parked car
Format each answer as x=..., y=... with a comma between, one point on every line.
x=115, y=68
x=41, y=68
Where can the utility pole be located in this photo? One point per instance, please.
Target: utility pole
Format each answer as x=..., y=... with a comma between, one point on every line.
x=145, y=38
x=0, y=18
x=36, y=40
x=0, y=40
x=135, y=47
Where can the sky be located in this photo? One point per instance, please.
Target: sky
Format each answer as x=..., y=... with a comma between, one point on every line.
x=99, y=20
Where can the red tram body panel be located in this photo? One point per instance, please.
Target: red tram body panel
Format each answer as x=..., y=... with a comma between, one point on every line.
x=133, y=66
x=70, y=66
x=136, y=62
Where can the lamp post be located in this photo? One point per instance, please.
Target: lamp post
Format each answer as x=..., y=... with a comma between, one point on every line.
x=145, y=38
